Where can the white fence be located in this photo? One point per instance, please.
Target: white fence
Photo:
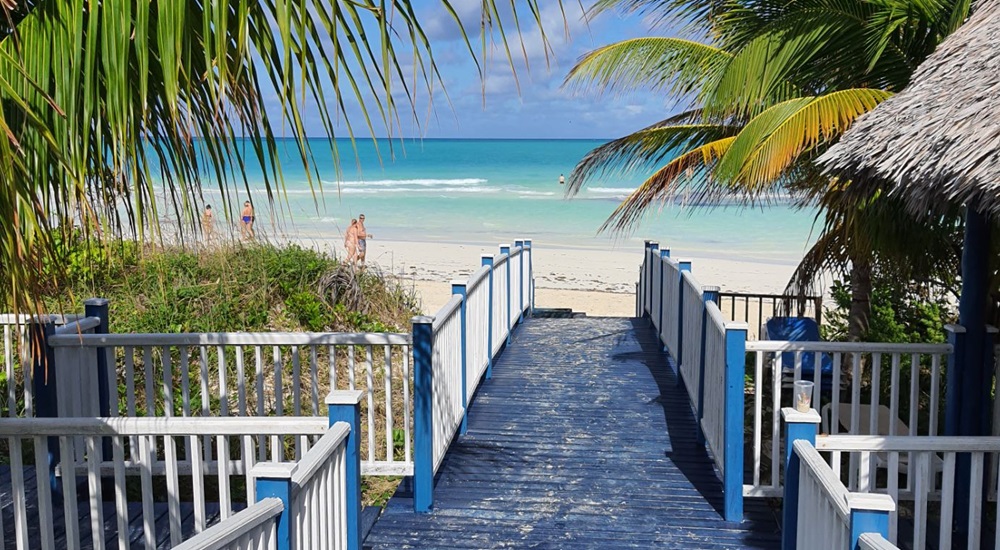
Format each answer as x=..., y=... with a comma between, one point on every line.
x=689, y=362
x=862, y=388
x=825, y=506
x=317, y=492
x=923, y=473
x=18, y=362
x=477, y=307
x=252, y=374
x=212, y=453
x=255, y=528
x=453, y=353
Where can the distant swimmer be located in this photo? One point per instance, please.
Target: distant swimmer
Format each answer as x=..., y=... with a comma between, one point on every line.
x=562, y=180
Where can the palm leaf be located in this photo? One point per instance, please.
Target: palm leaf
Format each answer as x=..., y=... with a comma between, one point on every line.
x=775, y=139
x=690, y=167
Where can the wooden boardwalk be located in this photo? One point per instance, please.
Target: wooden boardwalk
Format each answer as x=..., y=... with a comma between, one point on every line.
x=582, y=439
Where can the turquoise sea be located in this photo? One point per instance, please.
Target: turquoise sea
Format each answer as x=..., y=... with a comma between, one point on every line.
x=484, y=191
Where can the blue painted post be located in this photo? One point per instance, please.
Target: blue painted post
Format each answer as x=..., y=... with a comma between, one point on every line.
x=43, y=378
x=665, y=253
x=732, y=483
x=505, y=249
x=520, y=276
x=275, y=480
x=423, y=414
x=531, y=277
x=972, y=316
x=487, y=260
x=709, y=294
x=345, y=406
x=798, y=426
x=458, y=287
x=871, y=520
x=98, y=307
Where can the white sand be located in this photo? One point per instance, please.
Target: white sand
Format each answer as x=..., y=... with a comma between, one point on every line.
x=598, y=282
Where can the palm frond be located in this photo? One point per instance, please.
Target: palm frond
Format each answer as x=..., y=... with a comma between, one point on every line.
x=690, y=167
x=769, y=144
x=646, y=148
x=672, y=65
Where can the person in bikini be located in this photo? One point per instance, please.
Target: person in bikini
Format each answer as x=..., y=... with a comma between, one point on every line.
x=351, y=241
x=248, y=219
x=362, y=237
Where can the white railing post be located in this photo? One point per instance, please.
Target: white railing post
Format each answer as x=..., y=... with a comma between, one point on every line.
x=423, y=413
x=345, y=406
x=798, y=426
x=709, y=294
x=274, y=479
x=487, y=260
x=458, y=287
x=736, y=340
x=505, y=249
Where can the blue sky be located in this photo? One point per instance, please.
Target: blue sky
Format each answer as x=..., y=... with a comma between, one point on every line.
x=534, y=104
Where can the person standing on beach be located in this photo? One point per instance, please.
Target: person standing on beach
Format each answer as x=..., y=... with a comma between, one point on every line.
x=207, y=221
x=363, y=237
x=351, y=241
x=562, y=180
x=248, y=219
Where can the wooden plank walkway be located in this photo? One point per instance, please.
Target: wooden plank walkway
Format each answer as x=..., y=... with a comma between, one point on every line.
x=582, y=439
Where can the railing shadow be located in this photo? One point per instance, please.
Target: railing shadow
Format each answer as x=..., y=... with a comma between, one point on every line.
x=690, y=457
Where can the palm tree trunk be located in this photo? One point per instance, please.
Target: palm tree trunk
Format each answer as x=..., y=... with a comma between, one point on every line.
x=861, y=290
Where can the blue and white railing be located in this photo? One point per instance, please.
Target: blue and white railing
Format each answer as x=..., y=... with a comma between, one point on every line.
x=723, y=372
x=708, y=353
x=819, y=512
x=453, y=352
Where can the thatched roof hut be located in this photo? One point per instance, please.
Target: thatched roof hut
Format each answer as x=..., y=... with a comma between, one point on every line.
x=937, y=142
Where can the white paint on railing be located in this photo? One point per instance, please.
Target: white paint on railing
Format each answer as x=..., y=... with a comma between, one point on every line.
x=319, y=499
x=287, y=375
x=656, y=295
x=713, y=421
x=694, y=307
x=165, y=445
x=669, y=333
x=477, y=306
x=447, y=378
x=824, y=507
x=254, y=528
x=875, y=541
x=851, y=394
x=929, y=465
x=500, y=327
x=18, y=361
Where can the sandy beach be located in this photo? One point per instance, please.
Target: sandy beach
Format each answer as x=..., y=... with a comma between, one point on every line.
x=597, y=282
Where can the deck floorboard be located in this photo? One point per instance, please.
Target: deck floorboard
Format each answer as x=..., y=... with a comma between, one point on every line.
x=582, y=439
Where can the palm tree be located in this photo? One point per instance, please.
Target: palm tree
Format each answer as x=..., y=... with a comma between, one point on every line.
x=768, y=90
x=107, y=105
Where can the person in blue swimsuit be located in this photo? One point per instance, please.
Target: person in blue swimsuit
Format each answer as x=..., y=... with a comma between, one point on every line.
x=248, y=219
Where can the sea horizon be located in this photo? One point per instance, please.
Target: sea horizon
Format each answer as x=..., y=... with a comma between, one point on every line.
x=463, y=190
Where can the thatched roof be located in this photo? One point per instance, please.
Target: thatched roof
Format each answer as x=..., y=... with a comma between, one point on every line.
x=937, y=142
